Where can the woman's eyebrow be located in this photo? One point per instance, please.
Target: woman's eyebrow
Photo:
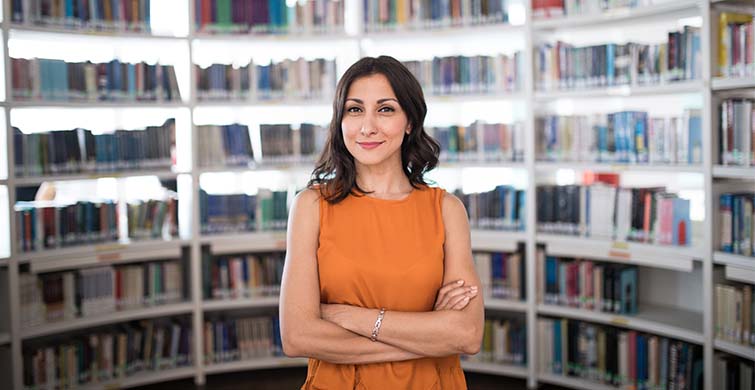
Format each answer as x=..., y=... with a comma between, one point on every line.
x=379, y=101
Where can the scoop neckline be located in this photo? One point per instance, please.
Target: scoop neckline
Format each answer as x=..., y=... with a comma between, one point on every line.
x=391, y=201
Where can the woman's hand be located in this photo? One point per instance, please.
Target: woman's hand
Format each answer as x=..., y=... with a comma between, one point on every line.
x=454, y=296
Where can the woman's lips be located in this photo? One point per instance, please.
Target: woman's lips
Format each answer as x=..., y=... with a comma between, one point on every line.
x=369, y=145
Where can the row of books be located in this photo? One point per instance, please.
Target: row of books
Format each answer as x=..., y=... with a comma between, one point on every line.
x=227, y=340
x=648, y=215
x=241, y=276
x=737, y=132
x=565, y=66
x=299, y=78
x=501, y=274
x=228, y=145
x=64, y=296
x=88, y=15
x=268, y=16
x=108, y=354
x=735, y=314
x=504, y=341
x=480, y=141
x=41, y=225
x=82, y=151
x=474, y=74
x=737, y=226
x=624, y=358
x=736, y=40
x=731, y=373
x=220, y=213
x=502, y=208
x=621, y=137
x=152, y=218
x=57, y=80
x=588, y=285
x=383, y=15
x=545, y=9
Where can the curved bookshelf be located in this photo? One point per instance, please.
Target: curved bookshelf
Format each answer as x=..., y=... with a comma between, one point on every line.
x=618, y=167
x=255, y=364
x=505, y=305
x=143, y=379
x=619, y=16
x=34, y=180
x=658, y=256
x=110, y=318
x=495, y=369
x=42, y=32
x=574, y=383
x=235, y=304
x=680, y=87
x=106, y=253
x=246, y=242
x=741, y=350
x=496, y=240
x=729, y=172
x=661, y=320
x=725, y=83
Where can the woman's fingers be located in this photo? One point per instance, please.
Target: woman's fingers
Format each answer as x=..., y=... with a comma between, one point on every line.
x=451, y=294
x=454, y=296
x=461, y=301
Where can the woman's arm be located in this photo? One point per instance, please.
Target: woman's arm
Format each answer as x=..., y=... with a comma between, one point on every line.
x=436, y=333
x=303, y=331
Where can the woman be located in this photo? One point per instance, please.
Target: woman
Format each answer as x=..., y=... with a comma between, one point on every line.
x=389, y=256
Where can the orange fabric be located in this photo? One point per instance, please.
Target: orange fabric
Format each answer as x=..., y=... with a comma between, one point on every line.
x=383, y=253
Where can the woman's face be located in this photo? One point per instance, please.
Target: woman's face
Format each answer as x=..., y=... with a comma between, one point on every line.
x=373, y=123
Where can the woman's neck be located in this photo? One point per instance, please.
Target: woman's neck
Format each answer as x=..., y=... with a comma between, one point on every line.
x=382, y=180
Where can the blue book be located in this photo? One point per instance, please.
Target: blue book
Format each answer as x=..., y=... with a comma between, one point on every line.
x=61, y=75
x=522, y=196
x=563, y=271
x=642, y=362
x=69, y=10
x=629, y=133
x=551, y=279
x=641, y=137
x=558, y=365
x=629, y=290
x=726, y=205
x=610, y=69
x=695, y=146
x=116, y=10
x=497, y=260
x=681, y=227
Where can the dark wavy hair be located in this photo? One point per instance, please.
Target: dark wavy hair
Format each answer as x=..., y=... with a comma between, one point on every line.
x=335, y=172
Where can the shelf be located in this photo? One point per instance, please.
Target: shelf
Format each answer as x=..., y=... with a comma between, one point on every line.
x=481, y=164
x=4, y=339
x=34, y=180
x=618, y=167
x=274, y=38
x=260, y=167
x=246, y=242
x=733, y=172
x=658, y=256
x=505, y=305
x=144, y=379
x=110, y=318
x=617, y=16
x=55, y=33
x=293, y=102
x=741, y=350
x=235, y=304
x=255, y=364
x=724, y=83
x=574, y=383
x=496, y=240
x=737, y=274
x=740, y=261
x=440, y=32
x=661, y=320
x=472, y=98
x=495, y=369
x=101, y=254
x=680, y=87
x=95, y=104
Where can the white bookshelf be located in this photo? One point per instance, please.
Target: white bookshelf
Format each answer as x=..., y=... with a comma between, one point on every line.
x=686, y=325
x=144, y=378
x=110, y=318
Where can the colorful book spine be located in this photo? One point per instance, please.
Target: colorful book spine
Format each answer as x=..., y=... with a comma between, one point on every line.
x=394, y=15
x=629, y=137
x=617, y=357
x=735, y=45
x=480, y=141
x=238, y=339
x=84, y=15
x=152, y=219
x=82, y=151
x=501, y=274
x=735, y=314
x=241, y=276
x=562, y=66
x=503, y=208
x=469, y=75
x=224, y=146
x=266, y=211
x=736, y=132
x=730, y=372
x=545, y=9
x=109, y=354
x=504, y=341
x=40, y=79
x=737, y=223
x=269, y=17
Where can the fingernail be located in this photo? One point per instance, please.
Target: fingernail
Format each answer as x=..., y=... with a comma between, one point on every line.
x=473, y=288
x=460, y=281
x=466, y=298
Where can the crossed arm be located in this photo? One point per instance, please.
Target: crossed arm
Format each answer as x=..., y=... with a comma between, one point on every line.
x=340, y=333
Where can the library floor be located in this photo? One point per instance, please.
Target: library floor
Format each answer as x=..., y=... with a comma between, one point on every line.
x=292, y=378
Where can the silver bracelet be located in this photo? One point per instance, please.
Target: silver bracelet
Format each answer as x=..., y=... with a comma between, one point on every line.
x=378, y=322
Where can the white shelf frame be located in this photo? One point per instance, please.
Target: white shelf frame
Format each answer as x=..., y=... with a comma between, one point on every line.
x=741, y=350
x=680, y=259
x=618, y=167
x=36, y=180
x=213, y=305
x=254, y=364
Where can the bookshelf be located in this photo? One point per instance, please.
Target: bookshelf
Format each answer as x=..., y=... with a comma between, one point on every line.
x=185, y=47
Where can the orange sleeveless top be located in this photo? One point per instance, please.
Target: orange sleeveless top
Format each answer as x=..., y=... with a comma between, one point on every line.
x=383, y=253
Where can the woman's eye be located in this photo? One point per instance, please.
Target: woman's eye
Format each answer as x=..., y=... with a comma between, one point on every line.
x=386, y=109
x=353, y=109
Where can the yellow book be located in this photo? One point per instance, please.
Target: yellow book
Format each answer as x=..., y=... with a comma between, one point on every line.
x=724, y=20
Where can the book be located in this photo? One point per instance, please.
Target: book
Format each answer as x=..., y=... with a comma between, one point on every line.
x=500, y=209
x=736, y=132
x=397, y=15
x=226, y=213
x=269, y=17
x=241, y=275
x=501, y=274
x=480, y=141
x=733, y=314
x=735, y=45
x=241, y=338
x=504, y=342
x=83, y=15
x=469, y=75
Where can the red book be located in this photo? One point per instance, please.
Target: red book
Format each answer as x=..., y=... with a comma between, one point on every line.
x=206, y=13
